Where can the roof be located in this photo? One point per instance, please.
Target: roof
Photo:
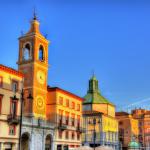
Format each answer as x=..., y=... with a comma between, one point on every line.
x=10, y=70
x=93, y=95
x=122, y=113
x=34, y=30
x=64, y=92
x=95, y=98
x=147, y=113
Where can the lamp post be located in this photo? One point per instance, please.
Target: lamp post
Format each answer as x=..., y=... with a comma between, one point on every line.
x=21, y=111
x=94, y=122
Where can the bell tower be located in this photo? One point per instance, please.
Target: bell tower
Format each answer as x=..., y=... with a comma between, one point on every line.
x=33, y=63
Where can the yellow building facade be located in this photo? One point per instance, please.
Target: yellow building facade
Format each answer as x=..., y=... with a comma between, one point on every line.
x=10, y=85
x=101, y=126
x=65, y=110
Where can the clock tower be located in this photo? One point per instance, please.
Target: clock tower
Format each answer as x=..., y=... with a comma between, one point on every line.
x=33, y=63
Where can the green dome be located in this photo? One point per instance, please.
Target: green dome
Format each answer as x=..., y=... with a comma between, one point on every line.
x=93, y=95
x=95, y=98
x=134, y=145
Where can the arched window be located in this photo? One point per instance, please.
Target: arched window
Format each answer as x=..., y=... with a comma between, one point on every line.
x=48, y=142
x=25, y=141
x=41, y=53
x=26, y=52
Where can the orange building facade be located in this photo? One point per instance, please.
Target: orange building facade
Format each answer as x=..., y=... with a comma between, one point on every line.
x=65, y=110
x=143, y=117
x=10, y=88
x=128, y=129
x=137, y=125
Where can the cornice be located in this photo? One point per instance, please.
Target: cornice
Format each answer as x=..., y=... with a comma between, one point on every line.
x=10, y=70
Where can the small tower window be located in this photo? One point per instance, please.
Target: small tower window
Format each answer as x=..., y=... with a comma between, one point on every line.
x=26, y=52
x=41, y=53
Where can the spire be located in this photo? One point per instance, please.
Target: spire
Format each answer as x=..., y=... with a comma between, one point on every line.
x=93, y=95
x=93, y=84
x=34, y=14
x=34, y=23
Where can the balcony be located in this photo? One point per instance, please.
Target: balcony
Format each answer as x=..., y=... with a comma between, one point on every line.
x=62, y=126
x=80, y=129
x=13, y=119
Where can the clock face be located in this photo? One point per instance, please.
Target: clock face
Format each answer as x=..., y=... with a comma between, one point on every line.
x=41, y=77
x=40, y=102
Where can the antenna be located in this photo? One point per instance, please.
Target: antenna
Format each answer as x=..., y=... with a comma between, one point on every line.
x=34, y=14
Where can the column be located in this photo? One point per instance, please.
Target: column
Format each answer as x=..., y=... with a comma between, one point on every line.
x=52, y=145
x=15, y=146
x=100, y=132
x=43, y=140
x=86, y=130
x=31, y=141
x=2, y=146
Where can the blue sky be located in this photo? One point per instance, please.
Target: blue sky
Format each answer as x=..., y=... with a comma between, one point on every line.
x=111, y=38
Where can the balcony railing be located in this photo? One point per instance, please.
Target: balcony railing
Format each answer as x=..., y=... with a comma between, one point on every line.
x=80, y=129
x=62, y=126
x=13, y=119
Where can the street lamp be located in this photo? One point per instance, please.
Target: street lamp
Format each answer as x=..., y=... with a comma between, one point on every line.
x=21, y=111
x=94, y=123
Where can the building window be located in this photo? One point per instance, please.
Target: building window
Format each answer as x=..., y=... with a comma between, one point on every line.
x=13, y=108
x=73, y=119
x=121, y=132
x=73, y=105
x=67, y=118
x=72, y=135
x=61, y=100
x=78, y=107
x=78, y=136
x=60, y=117
x=148, y=130
x=140, y=123
x=1, y=81
x=1, y=103
x=60, y=134
x=78, y=121
x=14, y=86
x=67, y=135
x=41, y=53
x=120, y=123
x=67, y=102
x=12, y=130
